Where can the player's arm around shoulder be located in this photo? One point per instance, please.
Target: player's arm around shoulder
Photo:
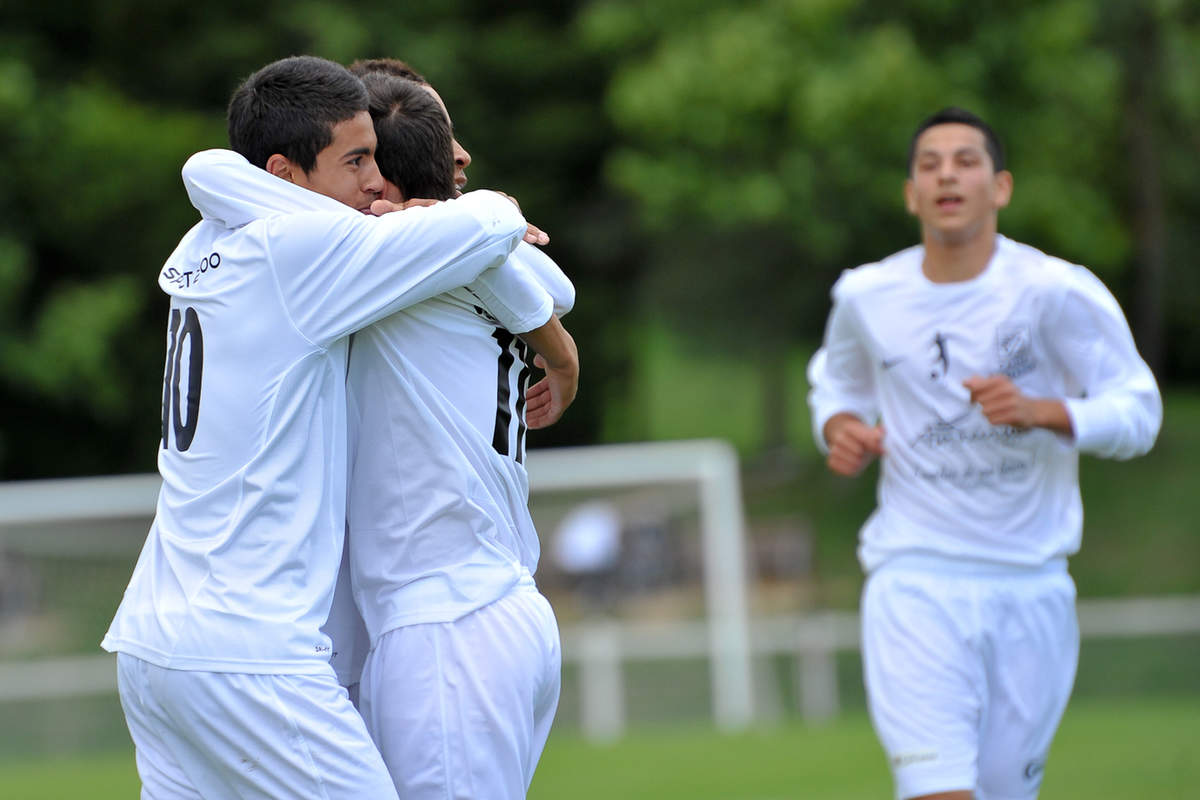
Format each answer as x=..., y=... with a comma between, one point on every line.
x=343, y=273
x=227, y=189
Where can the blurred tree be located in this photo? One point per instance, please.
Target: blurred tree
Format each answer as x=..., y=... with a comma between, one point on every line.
x=103, y=101
x=762, y=146
x=765, y=145
x=1156, y=44
x=84, y=212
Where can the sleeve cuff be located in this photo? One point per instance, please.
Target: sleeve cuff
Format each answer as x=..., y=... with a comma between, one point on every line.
x=534, y=311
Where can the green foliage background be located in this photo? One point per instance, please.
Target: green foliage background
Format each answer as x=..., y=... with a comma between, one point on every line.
x=705, y=168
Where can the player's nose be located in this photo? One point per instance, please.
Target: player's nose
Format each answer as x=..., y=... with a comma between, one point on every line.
x=371, y=180
x=462, y=159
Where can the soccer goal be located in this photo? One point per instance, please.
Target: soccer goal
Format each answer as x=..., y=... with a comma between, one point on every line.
x=67, y=548
x=676, y=510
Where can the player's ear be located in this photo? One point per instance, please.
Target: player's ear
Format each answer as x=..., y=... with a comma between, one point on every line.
x=910, y=197
x=281, y=167
x=1004, y=188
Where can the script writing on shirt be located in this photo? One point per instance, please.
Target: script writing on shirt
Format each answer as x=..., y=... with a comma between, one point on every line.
x=185, y=278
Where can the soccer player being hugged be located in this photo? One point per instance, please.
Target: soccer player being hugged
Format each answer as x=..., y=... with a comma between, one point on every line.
x=977, y=369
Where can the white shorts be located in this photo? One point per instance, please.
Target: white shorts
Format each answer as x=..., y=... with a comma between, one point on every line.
x=218, y=735
x=462, y=709
x=968, y=670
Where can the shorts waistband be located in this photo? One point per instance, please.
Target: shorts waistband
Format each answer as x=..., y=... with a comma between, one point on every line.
x=924, y=562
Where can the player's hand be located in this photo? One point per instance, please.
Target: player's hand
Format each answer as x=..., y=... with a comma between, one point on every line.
x=381, y=207
x=1001, y=401
x=852, y=444
x=547, y=399
x=535, y=235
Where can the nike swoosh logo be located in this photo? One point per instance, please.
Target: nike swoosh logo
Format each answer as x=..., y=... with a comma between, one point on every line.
x=888, y=363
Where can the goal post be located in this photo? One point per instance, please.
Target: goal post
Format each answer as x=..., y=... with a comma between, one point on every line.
x=712, y=466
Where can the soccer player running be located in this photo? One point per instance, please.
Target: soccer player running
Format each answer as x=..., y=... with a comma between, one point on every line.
x=977, y=368
x=223, y=672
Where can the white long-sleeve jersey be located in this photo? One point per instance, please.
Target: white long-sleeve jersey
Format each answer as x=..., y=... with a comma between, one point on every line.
x=897, y=349
x=438, y=508
x=237, y=572
x=438, y=505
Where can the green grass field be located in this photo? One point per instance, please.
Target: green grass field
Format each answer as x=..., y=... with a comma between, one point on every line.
x=1105, y=749
x=1111, y=749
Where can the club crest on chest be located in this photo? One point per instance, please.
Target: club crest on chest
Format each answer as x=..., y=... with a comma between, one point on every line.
x=1014, y=349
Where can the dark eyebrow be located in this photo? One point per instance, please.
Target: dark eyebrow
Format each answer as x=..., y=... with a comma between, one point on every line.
x=358, y=151
x=969, y=149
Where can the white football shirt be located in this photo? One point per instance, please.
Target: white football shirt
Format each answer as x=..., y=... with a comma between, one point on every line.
x=238, y=570
x=438, y=505
x=897, y=349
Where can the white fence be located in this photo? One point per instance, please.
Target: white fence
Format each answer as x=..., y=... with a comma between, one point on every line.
x=813, y=641
x=602, y=650
x=729, y=638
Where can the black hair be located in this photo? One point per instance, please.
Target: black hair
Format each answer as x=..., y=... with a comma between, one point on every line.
x=290, y=107
x=961, y=116
x=415, y=145
x=391, y=66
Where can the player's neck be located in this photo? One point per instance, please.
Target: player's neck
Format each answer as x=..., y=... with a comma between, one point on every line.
x=950, y=260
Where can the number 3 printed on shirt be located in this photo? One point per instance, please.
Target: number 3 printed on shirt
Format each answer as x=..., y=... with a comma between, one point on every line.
x=172, y=416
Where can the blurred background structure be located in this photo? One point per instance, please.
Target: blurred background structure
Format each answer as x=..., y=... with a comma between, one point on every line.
x=705, y=168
